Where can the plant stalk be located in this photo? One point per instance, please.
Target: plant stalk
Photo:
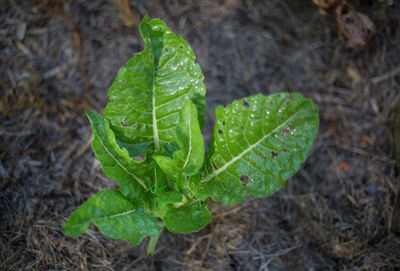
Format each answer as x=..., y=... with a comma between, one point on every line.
x=151, y=246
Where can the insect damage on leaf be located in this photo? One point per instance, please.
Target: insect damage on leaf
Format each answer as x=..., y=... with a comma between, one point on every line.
x=149, y=141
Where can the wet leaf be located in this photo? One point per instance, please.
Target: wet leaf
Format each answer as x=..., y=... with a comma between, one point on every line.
x=257, y=144
x=149, y=92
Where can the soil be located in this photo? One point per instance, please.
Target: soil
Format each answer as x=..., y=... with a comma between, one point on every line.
x=57, y=58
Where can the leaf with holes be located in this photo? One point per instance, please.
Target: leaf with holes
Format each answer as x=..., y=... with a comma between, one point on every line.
x=132, y=176
x=150, y=142
x=115, y=217
x=149, y=92
x=257, y=144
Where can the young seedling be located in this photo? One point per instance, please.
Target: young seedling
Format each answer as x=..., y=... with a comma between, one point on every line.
x=149, y=140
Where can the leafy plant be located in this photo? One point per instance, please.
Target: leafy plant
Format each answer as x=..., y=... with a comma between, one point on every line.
x=150, y=142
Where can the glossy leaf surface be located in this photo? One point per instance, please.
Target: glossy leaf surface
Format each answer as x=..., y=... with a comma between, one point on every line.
x=149, y=92
x=190, y=157
x=132, y=176
x=257, y=144
x=115, y=217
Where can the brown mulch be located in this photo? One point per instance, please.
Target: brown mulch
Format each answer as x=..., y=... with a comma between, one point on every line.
x=57, y=58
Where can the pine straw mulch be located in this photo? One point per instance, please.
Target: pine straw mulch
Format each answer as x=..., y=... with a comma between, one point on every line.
x=332, y=215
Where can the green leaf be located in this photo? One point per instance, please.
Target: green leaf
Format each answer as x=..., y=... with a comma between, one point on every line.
x=165, y=190
x=178, y=212
x=191, y=217
x=132, y=176
x=189, y=159
x=257, y=144
x=115, y=217
x=149, y=92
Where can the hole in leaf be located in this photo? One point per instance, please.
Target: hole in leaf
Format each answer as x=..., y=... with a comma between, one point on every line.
x=139, y=158
x=220, y=131
x=244, y=179
x=214, y=165
x=124, y=124
x=123, y=81
x=134, y=126
x=274, y=154
x=181, y=46
x=245, y=103
x=285, y=131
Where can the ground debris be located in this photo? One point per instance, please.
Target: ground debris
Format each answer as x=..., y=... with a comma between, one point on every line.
x=355, y=28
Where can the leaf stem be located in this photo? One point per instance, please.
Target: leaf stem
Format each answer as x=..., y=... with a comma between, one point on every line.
x=151, y=246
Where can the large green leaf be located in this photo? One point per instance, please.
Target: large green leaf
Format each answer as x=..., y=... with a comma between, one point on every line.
x=132, y=176
x=151, y=89
x=190, y=157
x=257, y=144
x=115, y=216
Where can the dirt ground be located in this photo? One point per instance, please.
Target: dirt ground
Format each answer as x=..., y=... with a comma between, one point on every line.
x=58, y=59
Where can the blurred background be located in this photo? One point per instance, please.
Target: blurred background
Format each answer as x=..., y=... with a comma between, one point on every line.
x=58, y=58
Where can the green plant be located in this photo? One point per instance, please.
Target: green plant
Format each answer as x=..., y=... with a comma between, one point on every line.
x=150, y=142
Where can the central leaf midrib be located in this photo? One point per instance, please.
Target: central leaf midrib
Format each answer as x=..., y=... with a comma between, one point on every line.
x=106, y=217
x=231, y=162
x=117, y=215
x=190, y=142
x=154, y=115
